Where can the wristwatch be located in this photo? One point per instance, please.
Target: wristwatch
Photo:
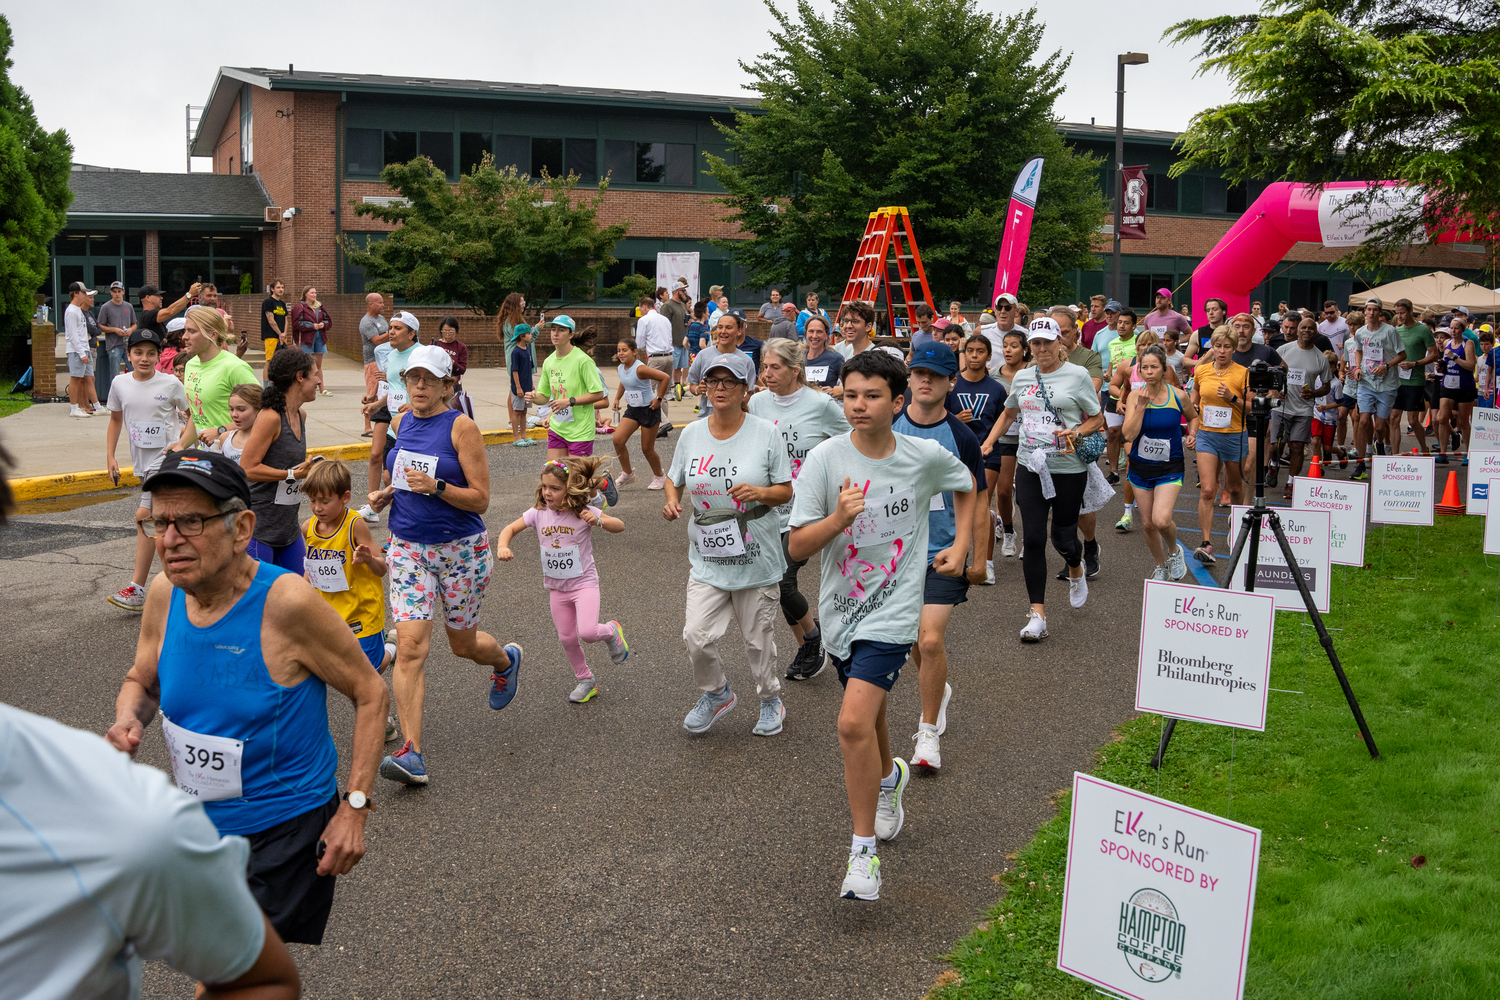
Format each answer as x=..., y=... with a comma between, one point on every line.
x=359, y=800
x=441, y=486
x=291, y=477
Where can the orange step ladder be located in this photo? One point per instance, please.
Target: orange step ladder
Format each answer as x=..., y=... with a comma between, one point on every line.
x=888, y=229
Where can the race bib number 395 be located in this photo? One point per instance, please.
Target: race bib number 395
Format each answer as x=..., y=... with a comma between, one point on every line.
x=205, y=767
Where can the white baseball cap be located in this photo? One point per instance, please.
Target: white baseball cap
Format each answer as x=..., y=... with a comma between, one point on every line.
x=430, y=358
x=1043, y=328
x=408, y=320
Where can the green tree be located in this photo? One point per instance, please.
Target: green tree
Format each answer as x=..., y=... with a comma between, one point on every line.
x=34, y=195
x=930, y=104
x=493, y=233
x=1375, y=89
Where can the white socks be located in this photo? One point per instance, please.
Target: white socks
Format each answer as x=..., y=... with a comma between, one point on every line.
x=859, y=843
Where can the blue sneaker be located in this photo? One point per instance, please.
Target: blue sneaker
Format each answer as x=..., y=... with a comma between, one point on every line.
x=405, y=766
x=504, y=687
x=708, y=710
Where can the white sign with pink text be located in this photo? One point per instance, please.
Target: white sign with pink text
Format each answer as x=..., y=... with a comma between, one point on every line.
x=1307, y=533
x=1205, y=654
x=1158, y=898
x=1348, y=506
x=1403, y=489
x=1492, y=527
x=1482, y=466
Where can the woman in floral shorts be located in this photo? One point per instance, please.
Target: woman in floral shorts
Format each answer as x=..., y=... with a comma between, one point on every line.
x=439, y=551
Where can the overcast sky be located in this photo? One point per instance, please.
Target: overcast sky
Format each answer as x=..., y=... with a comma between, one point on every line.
x=118, y=75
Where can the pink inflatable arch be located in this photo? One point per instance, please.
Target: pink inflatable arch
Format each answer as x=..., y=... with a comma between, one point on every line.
x=1285, y=214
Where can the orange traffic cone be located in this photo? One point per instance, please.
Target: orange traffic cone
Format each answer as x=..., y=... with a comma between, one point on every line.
x=1315, y=470
x=1452, y=503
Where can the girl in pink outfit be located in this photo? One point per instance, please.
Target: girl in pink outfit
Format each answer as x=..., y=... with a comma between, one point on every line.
x=564, y=521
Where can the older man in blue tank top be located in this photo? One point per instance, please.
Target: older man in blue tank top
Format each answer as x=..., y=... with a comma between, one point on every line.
x=238, y=656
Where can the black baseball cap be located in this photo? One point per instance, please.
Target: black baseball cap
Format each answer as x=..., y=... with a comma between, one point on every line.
x=209, y=471
x=146, y=290
x=79, y=286
x=144, y=335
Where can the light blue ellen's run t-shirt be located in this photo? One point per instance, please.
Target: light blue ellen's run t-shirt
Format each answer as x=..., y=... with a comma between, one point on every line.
x=805, y=419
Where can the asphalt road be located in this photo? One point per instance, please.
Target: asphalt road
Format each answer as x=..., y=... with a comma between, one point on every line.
x=600, y=850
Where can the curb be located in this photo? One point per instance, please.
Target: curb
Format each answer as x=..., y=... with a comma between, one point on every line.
x=68, y=484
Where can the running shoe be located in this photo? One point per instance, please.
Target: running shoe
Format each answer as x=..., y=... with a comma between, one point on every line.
x=619, y=649
x=132, y=598
x=1113, y=478
x=1008, y=546
x=1159, y=573
x=585, y=690
x=772, y=715
x=1359, y=472
x=611, y=494
x=926, y=755
x=1036, y=627
x=664, y=430
x=708, y=710
x=503, y=688
x=942, y=719
x=1125, y=522
x=1441, y=459
x=862, y=879
x=999, y=527
x=390, y=651
x=809, y=661
x=79, y=411
x=989, y=573
x=1225, y=500
x=1271, y=475
x=626, y=478
x=368, y=514
x=1177, y=563
x=1465, y=462
x=890, y=816
x=405, y=766
x=1205, y=554
x=392, y=729
x=1286, y=494
x=1090, y=559
x=1343, y=458
x=1078, y=592
x=657, y=483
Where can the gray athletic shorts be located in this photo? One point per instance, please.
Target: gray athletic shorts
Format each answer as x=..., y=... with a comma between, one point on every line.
x=78, y=368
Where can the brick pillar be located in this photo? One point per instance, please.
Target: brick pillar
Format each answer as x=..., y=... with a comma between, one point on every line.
x=43, y=361
x=153, y=258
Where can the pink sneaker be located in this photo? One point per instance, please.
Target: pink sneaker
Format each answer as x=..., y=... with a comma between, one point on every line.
x=625, y=479
x=658, y=483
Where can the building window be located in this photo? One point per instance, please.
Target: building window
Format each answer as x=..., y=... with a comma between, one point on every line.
x=1237, y=199
x=1143, y=290
x=1161, y=192
x=229, y=260
x=438, y=147
x=546, y=156
x=513, y=151
x=363, y=152
x=247, y=131
x=583, y=159
x=471, y=149
x=400, y=147
x=680, y=164
x=630, y=162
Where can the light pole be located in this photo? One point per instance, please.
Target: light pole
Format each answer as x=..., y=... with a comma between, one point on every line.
x=1125, y=59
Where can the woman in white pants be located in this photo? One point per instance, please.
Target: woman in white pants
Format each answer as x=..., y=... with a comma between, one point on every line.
x=730, y=471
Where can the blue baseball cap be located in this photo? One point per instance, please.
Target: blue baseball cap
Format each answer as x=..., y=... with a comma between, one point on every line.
x=565, y=321
x=935, y=356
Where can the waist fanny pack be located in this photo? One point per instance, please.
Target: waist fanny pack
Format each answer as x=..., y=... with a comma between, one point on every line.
x=1088, y=447
x=718, y=515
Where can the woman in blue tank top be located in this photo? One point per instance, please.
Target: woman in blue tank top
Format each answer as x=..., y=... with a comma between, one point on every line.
x=1458, y=391
x=1154, y=415
x=439, y=550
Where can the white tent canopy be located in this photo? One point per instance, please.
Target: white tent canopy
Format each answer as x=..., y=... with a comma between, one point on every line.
x=1440, y=290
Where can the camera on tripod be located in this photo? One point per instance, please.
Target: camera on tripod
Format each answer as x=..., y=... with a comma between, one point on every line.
x=1264, y=378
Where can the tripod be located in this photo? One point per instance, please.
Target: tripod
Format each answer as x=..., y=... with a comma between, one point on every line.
x=1260, y=416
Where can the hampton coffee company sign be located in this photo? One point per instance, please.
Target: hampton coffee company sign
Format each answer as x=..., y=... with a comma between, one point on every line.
x=1158, y=899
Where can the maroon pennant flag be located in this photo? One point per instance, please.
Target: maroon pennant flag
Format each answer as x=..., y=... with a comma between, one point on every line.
x=1133, y=202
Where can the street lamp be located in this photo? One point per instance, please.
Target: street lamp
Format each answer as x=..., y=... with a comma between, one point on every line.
x=1125, y=59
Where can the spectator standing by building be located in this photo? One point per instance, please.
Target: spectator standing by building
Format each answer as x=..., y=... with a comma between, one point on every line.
x=677, y=309
x=117, y=320
x=956, y=315
x=373, y=331
x=273, y=330
x=310, y=323
x=811, y=310
x=154, y=315
x=654, y=339
x=772, y=310
x=1096, y=321
x=80, y=355
x=458, y=353
x=785, y=325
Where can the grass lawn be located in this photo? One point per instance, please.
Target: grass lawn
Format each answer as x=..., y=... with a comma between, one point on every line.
x=14, y=403
x=1340, y=910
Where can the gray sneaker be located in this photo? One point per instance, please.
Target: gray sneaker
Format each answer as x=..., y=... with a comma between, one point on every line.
x=772, y=714
x=583, y=692
x=708, y=710
x=1177, y=564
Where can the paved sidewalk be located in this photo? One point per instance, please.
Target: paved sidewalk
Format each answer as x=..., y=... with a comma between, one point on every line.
x=45, y=441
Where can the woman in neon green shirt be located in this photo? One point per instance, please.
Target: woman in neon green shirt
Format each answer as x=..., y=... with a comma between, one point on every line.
x=569, y=381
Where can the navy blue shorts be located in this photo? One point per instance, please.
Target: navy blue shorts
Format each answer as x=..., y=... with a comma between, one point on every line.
x=940, y=589
x=874, y=662
x=374, y=647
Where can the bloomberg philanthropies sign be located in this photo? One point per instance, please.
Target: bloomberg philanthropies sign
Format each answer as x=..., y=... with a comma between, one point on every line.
x=1205, y=654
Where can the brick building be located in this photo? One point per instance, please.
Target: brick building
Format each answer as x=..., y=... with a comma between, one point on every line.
x=315, y=143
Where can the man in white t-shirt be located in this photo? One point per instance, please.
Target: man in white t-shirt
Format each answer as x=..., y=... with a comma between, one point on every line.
x=105, y=864
x=80, y=359
x=1333, y=325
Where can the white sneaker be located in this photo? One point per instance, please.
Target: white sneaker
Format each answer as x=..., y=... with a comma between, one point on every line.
x=626, y=478
x=889, y=814
x=1008, y=545
x=369, y=515
x=942, y=719
x=1036, y=627
x=927, y=753
x=1177, y=564
x=79, y=411
x=862, y=880
x=1078, y=591
x=657, y=483
x=1159, y=573
x=998, y=525
x=989, y=572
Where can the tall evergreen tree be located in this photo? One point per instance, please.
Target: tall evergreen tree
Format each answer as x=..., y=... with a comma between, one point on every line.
x=930, y=104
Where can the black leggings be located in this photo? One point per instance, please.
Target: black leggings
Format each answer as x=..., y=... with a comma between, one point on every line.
x=794, y=606
x=1034, y=508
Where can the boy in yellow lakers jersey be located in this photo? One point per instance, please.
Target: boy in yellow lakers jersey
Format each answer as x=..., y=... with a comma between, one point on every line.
x=342, y=561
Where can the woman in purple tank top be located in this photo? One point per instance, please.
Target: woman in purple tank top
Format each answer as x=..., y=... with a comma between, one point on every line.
x=439, y=550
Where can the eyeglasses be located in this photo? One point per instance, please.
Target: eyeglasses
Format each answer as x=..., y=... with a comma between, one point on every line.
x=421, y=378
x=188, y=525
x=723, y=383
